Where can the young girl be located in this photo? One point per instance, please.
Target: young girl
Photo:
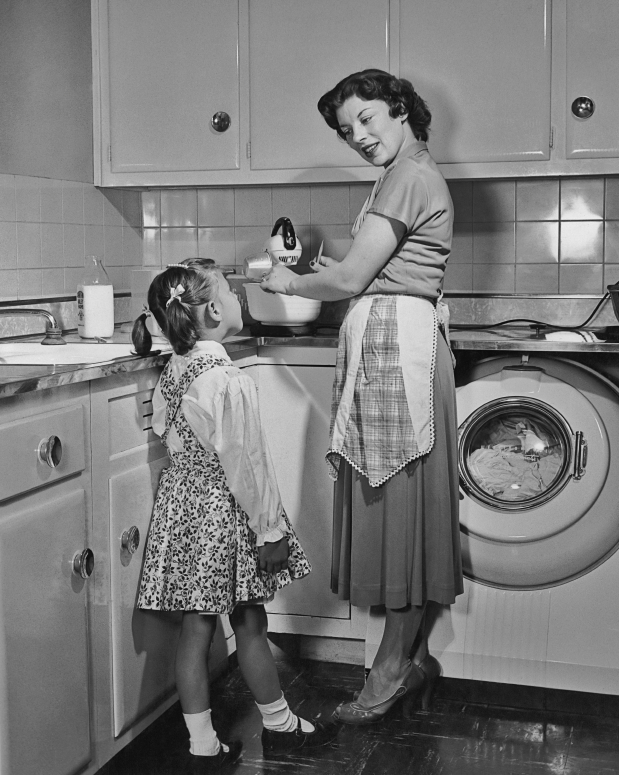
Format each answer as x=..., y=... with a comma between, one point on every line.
x=219, y=541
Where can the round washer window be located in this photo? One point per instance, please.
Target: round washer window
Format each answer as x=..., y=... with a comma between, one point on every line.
x=515, y=453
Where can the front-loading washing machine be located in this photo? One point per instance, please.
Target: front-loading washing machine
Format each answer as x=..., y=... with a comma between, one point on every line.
x=539, y=515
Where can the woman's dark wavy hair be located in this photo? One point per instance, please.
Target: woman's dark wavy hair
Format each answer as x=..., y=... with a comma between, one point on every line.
x=398, y=93
x=198, y=276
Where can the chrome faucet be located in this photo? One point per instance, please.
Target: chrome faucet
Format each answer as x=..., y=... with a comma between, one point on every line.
x=53, y=331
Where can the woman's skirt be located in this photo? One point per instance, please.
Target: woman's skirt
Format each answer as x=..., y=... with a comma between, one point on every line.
x=399, y=544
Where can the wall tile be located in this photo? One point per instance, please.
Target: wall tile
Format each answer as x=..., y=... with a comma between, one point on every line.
x=537, y=200
x=581, y=278
x=459, y=277
x=151, y=246
x=611, y=242
x=52, y=282
x=582, y=199
x=112, y=207
x=494, y=243
x=612, y=199
x=116, y=275
x=8, y=247
x=94, y=244
x=337, y=240
x=8, y=284
x=113, y=245
x=462, y=244
x=29, y=283
x=74, y=245
x=178, y=244
x=248, y=241
x=72, y=202
x=52, y=245
x=28, y=245
x=330, y=205
x=132, y=246
x=582, y=242
x=27, y=199
x=7, y=197
x=537, y=242
x=132, y=208
x=151, y=209
x=218, y=244
x=537, y=278
x=179, y=208
x=72, y=277
x=494, y=200
x=51, y=200
x=292, y=202
x=358, y=193
x=93, y=206
x=611, y=274
x=495, y=278
x=253, y=207
x=462, y=197
x=216, y=207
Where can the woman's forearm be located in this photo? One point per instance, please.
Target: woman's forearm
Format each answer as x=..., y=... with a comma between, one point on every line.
x=327, y=285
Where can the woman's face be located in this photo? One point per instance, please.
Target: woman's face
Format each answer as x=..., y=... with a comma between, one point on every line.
x=371, y=131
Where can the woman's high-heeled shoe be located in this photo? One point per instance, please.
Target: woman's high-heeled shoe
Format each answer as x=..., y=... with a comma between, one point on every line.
x=431, y=669
x=355, y=713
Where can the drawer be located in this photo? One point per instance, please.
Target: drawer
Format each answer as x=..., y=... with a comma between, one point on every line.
x=39, y=450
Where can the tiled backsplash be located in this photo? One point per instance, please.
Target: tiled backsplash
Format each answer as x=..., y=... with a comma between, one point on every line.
x=510, y=236
x=48, y=226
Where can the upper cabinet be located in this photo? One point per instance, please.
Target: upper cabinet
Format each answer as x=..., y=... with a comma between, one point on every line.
x=483, y=67
x=224, y=92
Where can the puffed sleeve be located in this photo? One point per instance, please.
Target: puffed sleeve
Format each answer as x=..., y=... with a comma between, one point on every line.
x=403, y=194
x=222, y=409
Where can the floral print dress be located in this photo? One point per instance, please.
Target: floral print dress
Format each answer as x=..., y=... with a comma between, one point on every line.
x=201, y=554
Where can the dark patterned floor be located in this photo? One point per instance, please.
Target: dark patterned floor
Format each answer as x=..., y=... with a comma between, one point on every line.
x=472, y=727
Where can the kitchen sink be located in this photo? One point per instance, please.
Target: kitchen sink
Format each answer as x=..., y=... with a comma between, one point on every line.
x=34, y=353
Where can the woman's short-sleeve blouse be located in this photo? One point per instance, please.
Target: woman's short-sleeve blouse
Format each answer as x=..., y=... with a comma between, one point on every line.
x=413, y=191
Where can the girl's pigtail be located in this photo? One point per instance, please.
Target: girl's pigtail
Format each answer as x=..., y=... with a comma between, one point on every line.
x=140, y=336
x=181, y=328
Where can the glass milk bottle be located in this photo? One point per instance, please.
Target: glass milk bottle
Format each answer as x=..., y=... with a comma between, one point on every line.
x=95, y=301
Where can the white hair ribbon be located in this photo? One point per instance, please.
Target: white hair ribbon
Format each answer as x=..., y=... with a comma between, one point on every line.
x=175, y=293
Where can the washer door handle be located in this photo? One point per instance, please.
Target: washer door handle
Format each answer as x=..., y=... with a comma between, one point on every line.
x=580, y=455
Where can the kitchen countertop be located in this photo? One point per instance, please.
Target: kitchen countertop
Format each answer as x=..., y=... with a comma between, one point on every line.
x=17, y=379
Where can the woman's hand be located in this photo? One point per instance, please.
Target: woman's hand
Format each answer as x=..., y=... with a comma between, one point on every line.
x=273, y=557
x=278, y=279
x=323, y=263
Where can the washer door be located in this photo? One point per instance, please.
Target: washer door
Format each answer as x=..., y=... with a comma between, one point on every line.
x=540, y=488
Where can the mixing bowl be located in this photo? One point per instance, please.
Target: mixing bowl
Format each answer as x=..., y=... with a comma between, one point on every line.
x=275, y=309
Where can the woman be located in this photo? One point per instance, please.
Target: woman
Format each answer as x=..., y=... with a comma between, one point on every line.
x=393, y=446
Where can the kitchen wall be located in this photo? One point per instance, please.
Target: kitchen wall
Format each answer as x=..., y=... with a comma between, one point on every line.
x=47, y=227
x=510, y=236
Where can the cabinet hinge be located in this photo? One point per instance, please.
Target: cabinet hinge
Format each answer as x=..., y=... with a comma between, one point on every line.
x=249, y=150
x=551, y=139
x=109, y=153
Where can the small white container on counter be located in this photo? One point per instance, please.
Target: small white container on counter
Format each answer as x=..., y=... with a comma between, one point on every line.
x=95, y=301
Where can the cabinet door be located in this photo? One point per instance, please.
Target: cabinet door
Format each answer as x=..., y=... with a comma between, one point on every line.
x=295, y=403
x=593, y=71
x=143, y=642
x=483, y=67
x=166, y=69
x=298, y=50
x=44, y=675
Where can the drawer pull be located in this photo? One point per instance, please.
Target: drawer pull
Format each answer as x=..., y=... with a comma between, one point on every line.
x=50, y=451
x=84, y=563
x=130, y=540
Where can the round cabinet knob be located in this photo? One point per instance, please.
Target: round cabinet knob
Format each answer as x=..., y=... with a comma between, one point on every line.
x=130, y=540
x=50, y=451
x=583, y=107
x=84, y=563
x=220, y=121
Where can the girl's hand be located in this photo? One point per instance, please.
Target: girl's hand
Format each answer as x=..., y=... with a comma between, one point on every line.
x=278, y=279
x=273, y=557
x=325, y=261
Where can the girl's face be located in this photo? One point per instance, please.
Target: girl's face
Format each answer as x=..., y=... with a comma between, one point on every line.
x=371, y=131
x=231, y=319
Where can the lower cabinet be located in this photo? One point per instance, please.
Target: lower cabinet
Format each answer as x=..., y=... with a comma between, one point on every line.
x=46, y=702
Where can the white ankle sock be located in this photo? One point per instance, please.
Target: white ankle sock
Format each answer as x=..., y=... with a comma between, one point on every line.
x=278, y=717
x=203, y=740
